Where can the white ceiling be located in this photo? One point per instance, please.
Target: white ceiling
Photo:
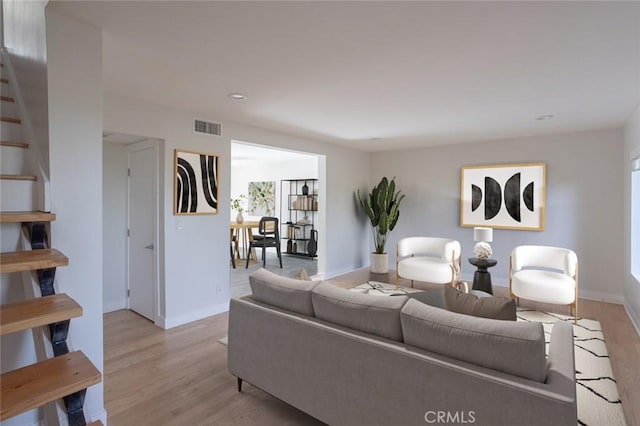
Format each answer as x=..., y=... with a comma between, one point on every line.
x=378, y=75
x=247, y=153
x=121, y=138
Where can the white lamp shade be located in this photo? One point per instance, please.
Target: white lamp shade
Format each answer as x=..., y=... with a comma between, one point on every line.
x=483, y=234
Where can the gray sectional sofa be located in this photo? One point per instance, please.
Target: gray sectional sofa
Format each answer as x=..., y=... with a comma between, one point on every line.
x=348, y=358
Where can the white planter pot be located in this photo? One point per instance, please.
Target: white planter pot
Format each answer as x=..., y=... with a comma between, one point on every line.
x=239, y=218
x=379, y=263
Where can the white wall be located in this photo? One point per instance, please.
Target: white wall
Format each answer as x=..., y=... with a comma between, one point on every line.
x=17, y=349
x=631, y=150
x=2, y=20
x=196, y=257
x=584, y=199
x=343, y=246
x=24, y=38
x=114, y=225
x=74, y=51
x=194, y=260
x=243, y=172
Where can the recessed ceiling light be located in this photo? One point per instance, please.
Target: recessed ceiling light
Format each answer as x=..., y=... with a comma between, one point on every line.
x=238, y=96
x=545, y=117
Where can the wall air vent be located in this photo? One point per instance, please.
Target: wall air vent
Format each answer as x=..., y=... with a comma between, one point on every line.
x=201, y=126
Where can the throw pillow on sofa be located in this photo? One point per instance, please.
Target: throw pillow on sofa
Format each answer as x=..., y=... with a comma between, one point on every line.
x=512, y=347
x=282, y=292
x=502, y=308
x=430, y=297
x=364, y=312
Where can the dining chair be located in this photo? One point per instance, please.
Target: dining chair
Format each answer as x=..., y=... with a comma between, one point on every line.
x=233, y=248
x=268, y=236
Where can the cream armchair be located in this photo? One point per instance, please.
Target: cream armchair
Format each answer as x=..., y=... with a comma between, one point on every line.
x=545, y=274
x=427, y=259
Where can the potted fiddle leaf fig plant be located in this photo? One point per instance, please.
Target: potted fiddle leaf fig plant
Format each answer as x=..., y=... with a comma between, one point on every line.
x=382, y=207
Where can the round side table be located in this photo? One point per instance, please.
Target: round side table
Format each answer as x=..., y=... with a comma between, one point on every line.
x=482, y=278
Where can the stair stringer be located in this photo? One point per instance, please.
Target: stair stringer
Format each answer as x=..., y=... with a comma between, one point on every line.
x=53, y=413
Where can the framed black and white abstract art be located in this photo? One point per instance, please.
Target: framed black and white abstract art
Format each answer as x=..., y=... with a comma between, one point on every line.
x=508, y=196
x=196, y=183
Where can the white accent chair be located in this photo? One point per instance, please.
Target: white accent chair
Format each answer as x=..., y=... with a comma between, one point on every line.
x=545, y=274
x=427, y=259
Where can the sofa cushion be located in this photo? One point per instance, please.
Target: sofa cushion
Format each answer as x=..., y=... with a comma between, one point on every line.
x=282, y=292
x=501, y=308
x=364, y=312
x=544, y=286
x=512, y=347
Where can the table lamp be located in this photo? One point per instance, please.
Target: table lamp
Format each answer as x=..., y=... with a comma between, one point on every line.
x=482, y=237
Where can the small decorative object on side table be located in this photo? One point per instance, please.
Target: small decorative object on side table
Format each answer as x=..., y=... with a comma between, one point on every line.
x=482, y=278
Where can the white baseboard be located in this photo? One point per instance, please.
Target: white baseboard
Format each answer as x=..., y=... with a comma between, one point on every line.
x=634, y=319
x=114, y=306
x=599, y=296
x=338, y=272
x=170, y=322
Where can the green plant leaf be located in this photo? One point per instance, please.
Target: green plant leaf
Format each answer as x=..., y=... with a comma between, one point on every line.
x=390, y=195
x=383, y=226
x=382, y=207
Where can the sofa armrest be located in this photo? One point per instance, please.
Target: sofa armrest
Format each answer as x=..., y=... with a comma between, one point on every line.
x=561, y=372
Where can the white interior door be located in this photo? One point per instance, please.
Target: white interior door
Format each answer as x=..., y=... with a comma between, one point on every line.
x=142, y=228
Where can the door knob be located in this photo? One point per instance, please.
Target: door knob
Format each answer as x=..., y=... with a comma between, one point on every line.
x=150, y=247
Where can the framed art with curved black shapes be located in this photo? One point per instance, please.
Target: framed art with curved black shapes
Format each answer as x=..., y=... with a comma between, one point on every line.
x=195, y=183
x=507, y=196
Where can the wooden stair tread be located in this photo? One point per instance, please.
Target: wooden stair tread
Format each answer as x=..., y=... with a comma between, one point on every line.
x=30, y=260
x=35, y=385
x=10, y=120
x=18, y=217
x=96, y=423
x=18, y=177
x=37, y=312
x=14, y=144
x=7, y=99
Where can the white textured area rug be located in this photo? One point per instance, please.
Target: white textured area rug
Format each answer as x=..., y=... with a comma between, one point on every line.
x=597, y=393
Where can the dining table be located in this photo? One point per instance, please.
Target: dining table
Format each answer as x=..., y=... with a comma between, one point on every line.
x=243, y=233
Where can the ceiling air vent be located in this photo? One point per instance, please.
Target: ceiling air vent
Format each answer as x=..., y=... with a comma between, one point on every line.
x=201, y=126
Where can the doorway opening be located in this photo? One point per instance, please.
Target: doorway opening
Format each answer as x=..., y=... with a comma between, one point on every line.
x=131, y=218
x=286, y=184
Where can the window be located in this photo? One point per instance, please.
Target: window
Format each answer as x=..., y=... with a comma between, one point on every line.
x=635, y=218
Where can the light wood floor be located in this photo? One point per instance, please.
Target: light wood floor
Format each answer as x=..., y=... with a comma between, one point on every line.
x=180, y=377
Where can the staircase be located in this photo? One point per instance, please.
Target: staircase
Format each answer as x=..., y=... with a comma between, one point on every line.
x=60, y=374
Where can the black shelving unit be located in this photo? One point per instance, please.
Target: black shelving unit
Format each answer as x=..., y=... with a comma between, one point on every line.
x=298, y=210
